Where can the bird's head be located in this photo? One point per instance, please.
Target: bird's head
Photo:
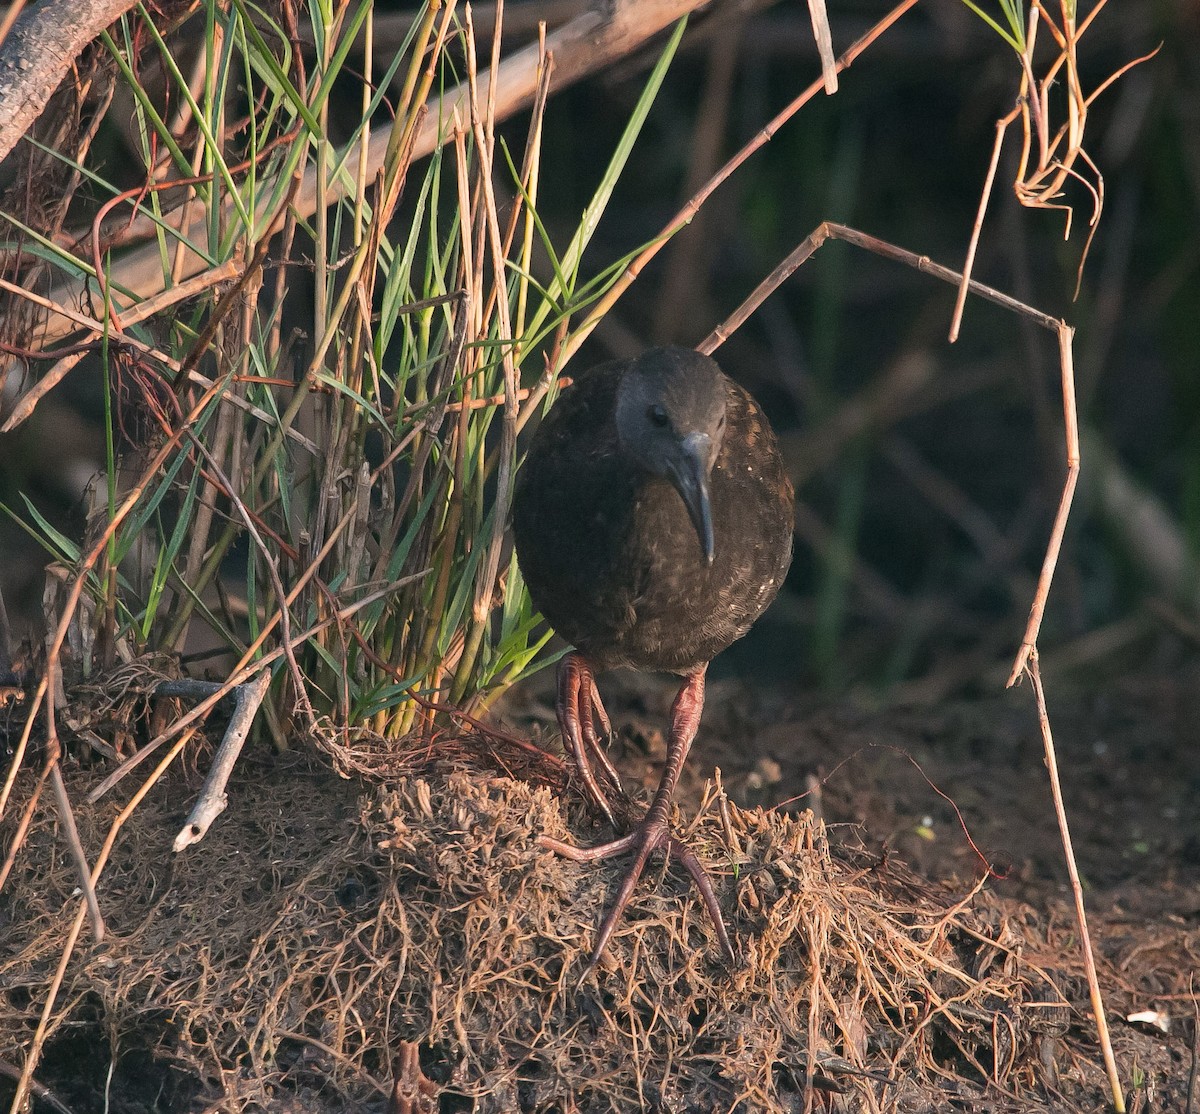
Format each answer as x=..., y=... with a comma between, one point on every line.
x=670, y=418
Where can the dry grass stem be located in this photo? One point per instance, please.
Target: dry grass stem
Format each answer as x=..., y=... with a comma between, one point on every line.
x=1061, y=156
x=1085, y=940
x=761, y=138
x=1026, y=656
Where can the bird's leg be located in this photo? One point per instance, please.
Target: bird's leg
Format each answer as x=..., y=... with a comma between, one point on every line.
x=578, y=706
x=653, y=832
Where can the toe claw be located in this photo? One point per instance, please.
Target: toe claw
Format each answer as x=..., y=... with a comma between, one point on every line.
x=577, y=705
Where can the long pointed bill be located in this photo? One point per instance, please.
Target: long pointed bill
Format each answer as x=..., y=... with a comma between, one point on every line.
x=691, y=481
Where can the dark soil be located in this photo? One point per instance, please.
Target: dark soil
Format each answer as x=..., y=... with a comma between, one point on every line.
x=285, y=890
x=956, y=789
x=219, y=960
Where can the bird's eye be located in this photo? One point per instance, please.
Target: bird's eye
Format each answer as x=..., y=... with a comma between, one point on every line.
x=658, y=416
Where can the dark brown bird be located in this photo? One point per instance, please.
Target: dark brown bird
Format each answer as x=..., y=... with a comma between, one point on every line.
x=653, y=525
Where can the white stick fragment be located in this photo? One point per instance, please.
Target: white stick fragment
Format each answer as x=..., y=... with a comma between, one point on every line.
x=212, y=800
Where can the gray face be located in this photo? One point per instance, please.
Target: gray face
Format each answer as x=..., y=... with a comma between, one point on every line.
x=671, y=419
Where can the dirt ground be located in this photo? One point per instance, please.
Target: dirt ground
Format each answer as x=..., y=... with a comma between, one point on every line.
x=945, y=789
x=941, y=790
x=1127, y=756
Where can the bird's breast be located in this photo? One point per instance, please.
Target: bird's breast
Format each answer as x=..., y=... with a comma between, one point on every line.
x=615, y=563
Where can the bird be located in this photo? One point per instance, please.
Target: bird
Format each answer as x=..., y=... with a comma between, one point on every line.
x=652, y=519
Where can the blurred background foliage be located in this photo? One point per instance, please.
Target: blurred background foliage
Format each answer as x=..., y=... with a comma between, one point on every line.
x=927, y=473
x=924, y=506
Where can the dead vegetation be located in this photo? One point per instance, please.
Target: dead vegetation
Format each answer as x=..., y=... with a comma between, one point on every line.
x=341, y=945
x=414, y=950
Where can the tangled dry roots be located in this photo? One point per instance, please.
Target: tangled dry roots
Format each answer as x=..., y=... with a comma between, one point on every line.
x=416, y=950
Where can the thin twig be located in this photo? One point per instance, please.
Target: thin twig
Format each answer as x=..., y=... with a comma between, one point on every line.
x=1193, y=1090
x=66, y=817
x=828, y=230
x=761, y=138
x=22, y=829
x=1060, y=812
x=1026, y=659
x=38, y=1090
x=1067, y=367
x=824, y=41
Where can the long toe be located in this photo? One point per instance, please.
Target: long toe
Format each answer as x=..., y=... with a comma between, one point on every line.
x=651, y=837
x=648, y=838
x=577, y=698
x=708, y=893
x=645, y=839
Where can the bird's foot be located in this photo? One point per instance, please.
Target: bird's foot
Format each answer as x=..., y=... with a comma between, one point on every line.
x=579, y=710
x=652, y=834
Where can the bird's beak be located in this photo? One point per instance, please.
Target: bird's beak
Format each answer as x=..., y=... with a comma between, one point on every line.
x=691, y=481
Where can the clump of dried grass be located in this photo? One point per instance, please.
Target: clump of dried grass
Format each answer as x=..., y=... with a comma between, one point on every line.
x=418, y=938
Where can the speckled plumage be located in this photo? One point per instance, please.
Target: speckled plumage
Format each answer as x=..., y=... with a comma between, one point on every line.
x=608, y=550
x=653, y=523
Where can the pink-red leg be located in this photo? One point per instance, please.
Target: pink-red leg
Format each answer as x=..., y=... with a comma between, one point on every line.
x=578, y=707
x=653, y=832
